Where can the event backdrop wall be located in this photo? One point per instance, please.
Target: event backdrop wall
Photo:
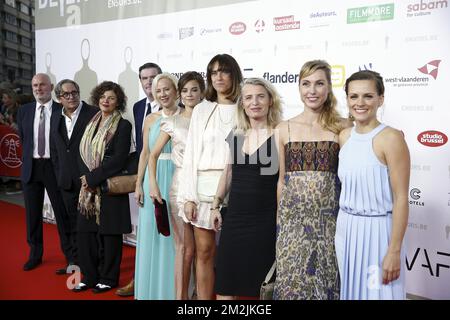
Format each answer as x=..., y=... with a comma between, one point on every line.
x=407, y=41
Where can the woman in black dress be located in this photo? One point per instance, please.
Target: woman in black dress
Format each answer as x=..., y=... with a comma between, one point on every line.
x=246, y=248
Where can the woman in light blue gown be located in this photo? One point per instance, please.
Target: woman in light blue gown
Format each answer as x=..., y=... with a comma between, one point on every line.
x=374, y=169
x=155, y=253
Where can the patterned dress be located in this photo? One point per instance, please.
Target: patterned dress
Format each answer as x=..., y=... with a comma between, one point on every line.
x=306, y=260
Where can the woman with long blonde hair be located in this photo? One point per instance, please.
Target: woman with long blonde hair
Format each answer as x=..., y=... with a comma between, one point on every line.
x=308, y=192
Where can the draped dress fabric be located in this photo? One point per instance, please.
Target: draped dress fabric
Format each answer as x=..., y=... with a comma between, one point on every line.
x=306, y=260
x=365, y=221
x=155, y=253
x=177, y=128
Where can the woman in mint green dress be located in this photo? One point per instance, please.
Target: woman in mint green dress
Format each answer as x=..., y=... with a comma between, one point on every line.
x=155, y=253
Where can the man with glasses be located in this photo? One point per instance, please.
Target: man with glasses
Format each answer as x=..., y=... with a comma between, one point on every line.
x=67, y=129
x=37, y=173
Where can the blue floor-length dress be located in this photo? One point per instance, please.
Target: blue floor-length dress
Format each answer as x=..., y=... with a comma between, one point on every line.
x=364, y=222
x=155, y=253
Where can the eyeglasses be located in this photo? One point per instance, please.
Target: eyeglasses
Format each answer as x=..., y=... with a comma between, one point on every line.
x=67, y=95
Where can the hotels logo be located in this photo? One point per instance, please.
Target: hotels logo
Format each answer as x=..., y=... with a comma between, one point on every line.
x=337, y=75
x=431, y=68
x=432, y=138
x=372, y=13
x=285, y=23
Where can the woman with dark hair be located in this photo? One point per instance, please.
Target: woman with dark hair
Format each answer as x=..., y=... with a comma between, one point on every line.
x=374, y=168
x=308, y=192
x=205, y=158
x=191, y=89
x=103, y=219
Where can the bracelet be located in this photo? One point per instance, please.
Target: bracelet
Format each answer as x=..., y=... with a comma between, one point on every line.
x=216, y=208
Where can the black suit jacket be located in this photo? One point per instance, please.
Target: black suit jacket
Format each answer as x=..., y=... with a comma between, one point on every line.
x=65, y=152
x=115, y=210
x=25, y=121
x=138, y=113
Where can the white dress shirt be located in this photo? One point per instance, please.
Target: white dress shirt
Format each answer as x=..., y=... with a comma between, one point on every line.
x=37, y=115
x=71, y=121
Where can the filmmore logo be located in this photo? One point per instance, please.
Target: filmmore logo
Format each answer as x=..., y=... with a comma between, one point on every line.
x=424, y=8
x=432, y=138
x=286, y=23
x=371, y=13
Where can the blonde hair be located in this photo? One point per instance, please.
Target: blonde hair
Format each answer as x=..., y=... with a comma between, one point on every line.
x=329, y=117
x=168, y=76
x=275, y=112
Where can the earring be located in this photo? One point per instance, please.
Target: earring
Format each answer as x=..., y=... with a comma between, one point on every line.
x=350, y=117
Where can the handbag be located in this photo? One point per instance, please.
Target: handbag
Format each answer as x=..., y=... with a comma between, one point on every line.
x=268, y=285
x=125, y=181
x=162, y=218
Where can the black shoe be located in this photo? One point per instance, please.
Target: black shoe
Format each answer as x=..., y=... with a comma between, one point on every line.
x=100, y=288
x=31, y=264
x=67, y=270
x=80, y=287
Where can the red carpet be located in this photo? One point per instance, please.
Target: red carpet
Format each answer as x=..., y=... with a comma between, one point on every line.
x=42, y=283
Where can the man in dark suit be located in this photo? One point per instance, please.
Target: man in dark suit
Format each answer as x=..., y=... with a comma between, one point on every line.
x=37, y=174
x=142, y=108
x=67, y=129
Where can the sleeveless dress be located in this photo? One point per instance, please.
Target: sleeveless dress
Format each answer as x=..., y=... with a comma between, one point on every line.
x=365, y=221
x=246, y=248
x=155, y=253
x=306, y=259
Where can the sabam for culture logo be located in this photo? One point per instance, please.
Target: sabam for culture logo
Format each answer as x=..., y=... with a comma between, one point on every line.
x=431, y=68
x=432, y=138
x=237, y=28
x=372, y=13
x=423, y=8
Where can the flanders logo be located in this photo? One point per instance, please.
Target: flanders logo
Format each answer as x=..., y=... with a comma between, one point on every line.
x=431, y=68
x=372, y=13
x=432, y=138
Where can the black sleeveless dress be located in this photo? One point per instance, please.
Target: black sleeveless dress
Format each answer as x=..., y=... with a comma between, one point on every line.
x=246, y=248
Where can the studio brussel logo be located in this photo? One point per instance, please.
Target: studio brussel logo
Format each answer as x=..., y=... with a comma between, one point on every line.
x=432, y=138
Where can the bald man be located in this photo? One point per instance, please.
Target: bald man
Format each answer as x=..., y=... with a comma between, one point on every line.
x=37, y=172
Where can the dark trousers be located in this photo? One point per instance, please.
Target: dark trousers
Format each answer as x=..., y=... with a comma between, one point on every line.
x=96, y=266
x=43, y=178
x=70, y=198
